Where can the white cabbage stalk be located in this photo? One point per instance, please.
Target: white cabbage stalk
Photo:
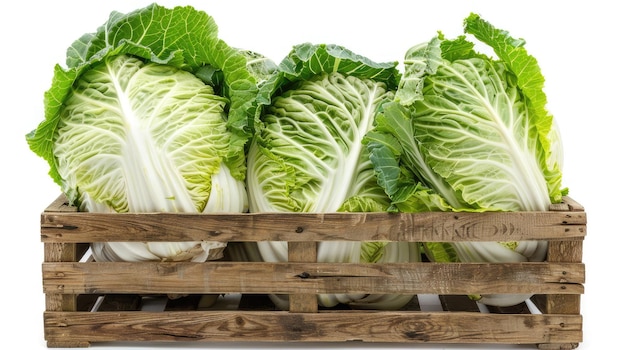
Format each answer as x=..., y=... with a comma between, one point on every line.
x=227, y=195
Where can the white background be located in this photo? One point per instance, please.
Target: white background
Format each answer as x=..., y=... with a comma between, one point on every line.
x=578, y=45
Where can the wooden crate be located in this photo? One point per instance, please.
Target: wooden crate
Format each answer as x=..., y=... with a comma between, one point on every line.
x=89, y=302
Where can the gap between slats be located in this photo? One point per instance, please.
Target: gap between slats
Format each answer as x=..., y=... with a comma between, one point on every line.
x=236, y=301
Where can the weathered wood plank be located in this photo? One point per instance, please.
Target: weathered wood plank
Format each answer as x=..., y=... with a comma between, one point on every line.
x=302, y=252
x=286, y=278
x=68, y=226
x=383, y=326
x=60, y=204
x=572, y=204
x=54, y=253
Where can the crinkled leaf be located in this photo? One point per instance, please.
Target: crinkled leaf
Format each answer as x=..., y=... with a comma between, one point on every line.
x=180, y=37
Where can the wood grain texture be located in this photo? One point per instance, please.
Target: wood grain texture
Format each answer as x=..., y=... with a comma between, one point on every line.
x=60, y=252
x=286, y=278
x=73, y=287
x=379, y=326
x=68, y=226
x=302, y=252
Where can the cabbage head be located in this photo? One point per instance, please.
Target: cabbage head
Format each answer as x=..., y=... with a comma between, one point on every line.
x=468, y=132
x=151, y=115
x=307, y=154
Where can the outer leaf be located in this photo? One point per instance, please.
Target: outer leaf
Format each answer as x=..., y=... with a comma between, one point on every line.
x=309, y=155
x=477, y=133
x=419, y=62
x=180, y=37
x=531, y=83
x=393, y=135
x=307, y=60
x=141, y=137
x=155, y=33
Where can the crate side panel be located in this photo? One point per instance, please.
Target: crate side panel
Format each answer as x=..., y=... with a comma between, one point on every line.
x=558, y=282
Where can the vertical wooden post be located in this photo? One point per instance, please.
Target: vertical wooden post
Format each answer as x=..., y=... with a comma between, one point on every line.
x=302, y=252
x=61, y=252
x=570, y=251
x=562, y=251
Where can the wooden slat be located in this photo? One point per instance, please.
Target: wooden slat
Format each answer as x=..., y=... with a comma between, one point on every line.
x=388, y=326
x=309, y=227
x=572, y=204
x=302, y=252
x=60, y=204
x=286, y=278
